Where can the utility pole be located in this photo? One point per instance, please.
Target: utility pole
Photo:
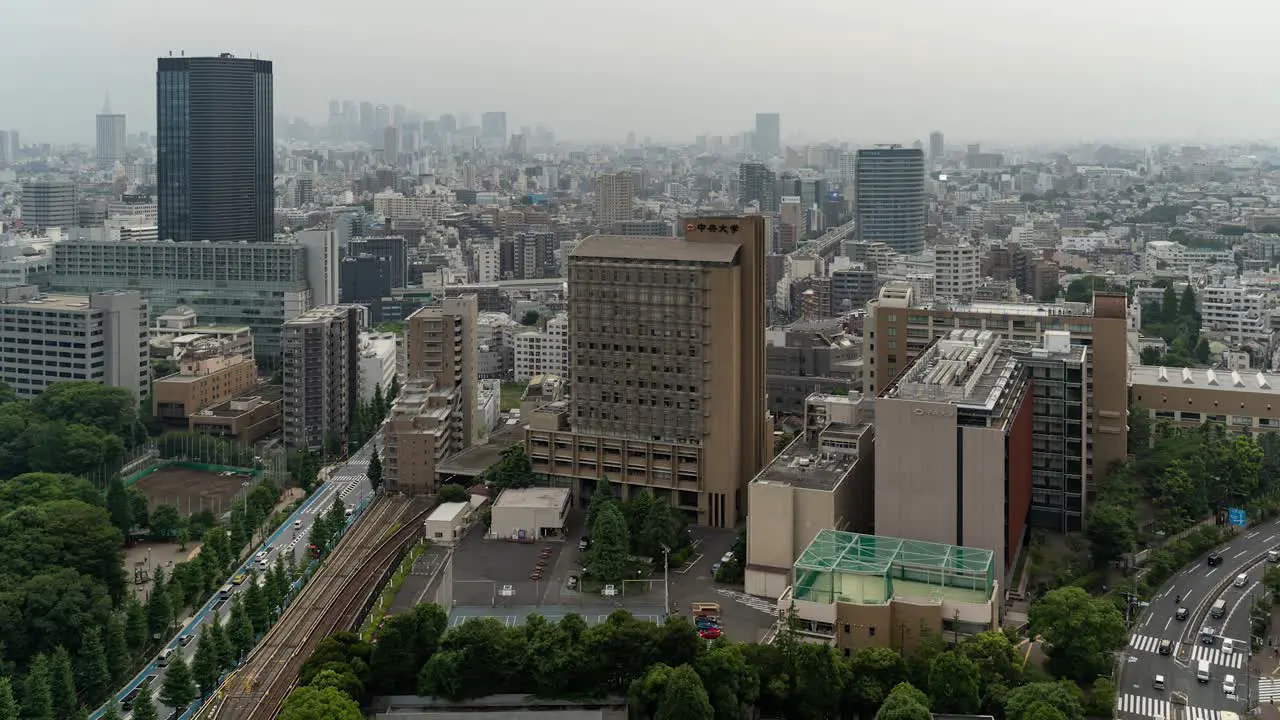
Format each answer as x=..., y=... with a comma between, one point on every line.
x=666, y=582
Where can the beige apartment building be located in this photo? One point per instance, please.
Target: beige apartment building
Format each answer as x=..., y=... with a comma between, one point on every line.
x=209, y=372
x=421, y=430
x=823, y=480
x=667, y=388
x=440, y=343
x=1243, y=401
x=899, y=327
x=245, y=419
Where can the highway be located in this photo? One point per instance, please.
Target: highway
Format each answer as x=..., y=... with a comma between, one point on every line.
x=1200, y=586
x=347, y=481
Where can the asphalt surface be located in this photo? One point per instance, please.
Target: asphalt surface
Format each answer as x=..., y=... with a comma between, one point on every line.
x=1200, y=587
x=347, y=481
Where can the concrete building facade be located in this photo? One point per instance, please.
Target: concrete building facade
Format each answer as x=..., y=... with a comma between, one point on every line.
x=49, y=204
x=1242, y=401
x=440, y=344
x=101, y=338
x=615, y=198
x=321, y=382
x=668, y=369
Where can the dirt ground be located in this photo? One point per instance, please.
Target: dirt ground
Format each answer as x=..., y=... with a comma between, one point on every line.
x=192, y=490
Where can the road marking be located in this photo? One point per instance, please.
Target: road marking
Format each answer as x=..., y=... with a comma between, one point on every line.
x=1166, y=623
x=1255, y=533
x=1184, y=597
x=1215, y=656
x=1233, y=557
x=1246, y=593
x=1268, y=689
x=1145, y=643
x=1143, y=706
x=1269, y=539
x=1211, y=572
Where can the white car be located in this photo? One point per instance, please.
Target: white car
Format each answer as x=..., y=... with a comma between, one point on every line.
x=1228, y=645
x=1229, y=685
x=1241, y=580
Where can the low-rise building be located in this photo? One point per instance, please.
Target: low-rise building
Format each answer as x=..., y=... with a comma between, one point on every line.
x=447, y=523
x=823, y=479
x=808, y=357
x=377, y=364
x=542, y=390
x=530, y=514
x=209, y=373
x=1244, y=401
x=245, y=419
x=543, y=352
x=419, y=433
x=857, y=591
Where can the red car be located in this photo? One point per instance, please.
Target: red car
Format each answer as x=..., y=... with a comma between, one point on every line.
x=710, y=633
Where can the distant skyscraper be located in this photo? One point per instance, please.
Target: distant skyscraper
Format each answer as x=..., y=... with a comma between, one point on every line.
x=15, y=146
x=493, y=126
x=391, y=145
x=889, y=199
x=615, y=196
x=399, y=116
x=936, y=147
x=756, y=182
x=768, y=137
x=448, y=124
x=381, y=119
x=4, y=148
x=215, y=163
x=367, y=125
x=111, y=137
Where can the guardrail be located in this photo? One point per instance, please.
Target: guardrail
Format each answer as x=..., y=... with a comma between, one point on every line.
x=214, y=600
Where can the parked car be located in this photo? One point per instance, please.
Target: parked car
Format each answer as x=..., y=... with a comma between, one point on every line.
x=573, y=582
x=710, y=633
x=705, y=622
x=584, y=543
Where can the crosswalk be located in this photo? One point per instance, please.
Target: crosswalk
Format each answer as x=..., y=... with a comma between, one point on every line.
x=1146, y=643
x=1216, y=656
x=1149, y=707
x=1268, y=690
x=750, y=601
x=1212, y=653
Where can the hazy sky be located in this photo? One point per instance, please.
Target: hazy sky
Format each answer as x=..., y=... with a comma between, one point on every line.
x=864, y=70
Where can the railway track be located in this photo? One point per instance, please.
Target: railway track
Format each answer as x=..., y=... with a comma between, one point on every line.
x=334, y=600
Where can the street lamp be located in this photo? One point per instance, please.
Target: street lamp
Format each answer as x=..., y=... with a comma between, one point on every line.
x=666, y=582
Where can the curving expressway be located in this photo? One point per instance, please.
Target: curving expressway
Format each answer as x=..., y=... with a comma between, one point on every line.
x=1200, y=586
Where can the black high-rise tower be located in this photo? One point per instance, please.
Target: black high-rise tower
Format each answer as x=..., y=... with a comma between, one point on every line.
x=215, y=160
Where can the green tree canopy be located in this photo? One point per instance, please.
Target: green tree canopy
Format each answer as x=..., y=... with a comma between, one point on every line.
x=1081, y=632
x=309, y=703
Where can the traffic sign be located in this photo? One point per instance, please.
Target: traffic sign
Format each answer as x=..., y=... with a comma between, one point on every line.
x=1236, y=516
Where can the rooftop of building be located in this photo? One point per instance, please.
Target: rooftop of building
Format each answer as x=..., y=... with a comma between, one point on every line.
x=476, y=459
x=909, y=568
x=803, y=466
x=547, y=498
x=966, y=368
x=52, y=302
x=901, y=295
x=238, y=406
x=1233, y=380
x=448, y=512
x=638, y=247
x=321, y=313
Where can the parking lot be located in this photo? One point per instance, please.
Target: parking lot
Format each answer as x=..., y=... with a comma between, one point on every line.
x=491, y=578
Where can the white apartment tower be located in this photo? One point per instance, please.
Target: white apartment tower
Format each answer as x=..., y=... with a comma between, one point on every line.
x=956, y=271
x=545, y=352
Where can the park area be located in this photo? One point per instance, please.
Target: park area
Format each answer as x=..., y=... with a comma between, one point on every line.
x=193, y=490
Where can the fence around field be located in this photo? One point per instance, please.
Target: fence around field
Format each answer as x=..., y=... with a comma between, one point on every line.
x=185, y=465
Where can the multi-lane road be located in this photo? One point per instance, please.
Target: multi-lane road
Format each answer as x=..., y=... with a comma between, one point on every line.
x=347, y=482
x=1199, y=586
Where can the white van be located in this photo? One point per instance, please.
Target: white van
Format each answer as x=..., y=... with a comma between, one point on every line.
x=164, y=656
x=1273, y=556
x=1202, y=671
x=225, y=592
x=1241, y=580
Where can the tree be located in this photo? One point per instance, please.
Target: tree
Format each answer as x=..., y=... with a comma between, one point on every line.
x=608, y=558
x=37, y=690
x=135, y=629
x=160, y=614
x=530, y=318
x=1202, y=351
x=165, y=522
x=1112, y=531
x=1169, y=305
x=144, y=705
x=8, y=705
x=1081, y=632
x=221, y=641
x=140, y=506
x=375, y=470
x=405, y=643
x=733, y=686
x=239, y=629
x=684, y=697
x=63, y=685
x=1040, y=700
x=116, y=648
x=602, y=496
x=118, y=506
x=93, y=672
x=336, y=518
x=453, y=492
x=111, y=713
x=255, y=605
x=1081, y=289
x=178, y=689
x=308, y=703
x=954, y=684
x=999, y=664
x=206, y=667
x=875, y=671
x=904, y=702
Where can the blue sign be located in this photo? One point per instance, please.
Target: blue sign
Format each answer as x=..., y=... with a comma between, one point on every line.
x=1236, y=516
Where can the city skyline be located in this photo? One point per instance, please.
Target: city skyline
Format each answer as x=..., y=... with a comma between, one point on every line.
x=1106, y=79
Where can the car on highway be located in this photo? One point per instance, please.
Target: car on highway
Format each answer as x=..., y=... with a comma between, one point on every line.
x=1214, y=559
x=185, y=640
x=1228, y=645
x=239, y=578
x=1182, y=613
x=1229, y=685
x=1166, y=647
x=1242, y=579
x=1207, y=635
x=1158, y=682
x=1273, y=556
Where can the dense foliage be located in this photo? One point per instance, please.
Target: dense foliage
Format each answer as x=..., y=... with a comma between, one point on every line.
x=72, y=428
x=630, y=537
x=667, y=671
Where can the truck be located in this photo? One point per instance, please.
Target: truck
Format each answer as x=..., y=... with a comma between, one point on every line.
x=1219, y=608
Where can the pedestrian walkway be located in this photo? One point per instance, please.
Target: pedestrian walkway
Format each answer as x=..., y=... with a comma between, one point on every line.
x=1149, y=707
x=1146, y=643
x=1268, y=690
x=750, y=601
x=1216, y=656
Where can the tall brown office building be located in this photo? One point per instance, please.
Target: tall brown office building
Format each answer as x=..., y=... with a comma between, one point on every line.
x=321, y=375
x=899, y=327
x=666, y=369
